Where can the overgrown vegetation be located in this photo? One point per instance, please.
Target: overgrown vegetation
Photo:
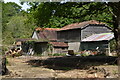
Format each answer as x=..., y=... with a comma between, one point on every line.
x=113, y=45
x=15, y=23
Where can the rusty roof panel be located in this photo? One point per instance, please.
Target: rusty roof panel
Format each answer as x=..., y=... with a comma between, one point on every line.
x=47, y=33
x=42, y=29
x=80, y=25
x=59, y=44
x=99, y=37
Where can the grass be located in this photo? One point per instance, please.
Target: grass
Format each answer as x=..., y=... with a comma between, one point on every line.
x=115, y=72
x=58, y=54
x=7, y=61
x=38, y=54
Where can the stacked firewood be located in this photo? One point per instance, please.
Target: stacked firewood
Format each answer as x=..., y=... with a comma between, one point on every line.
x=13, y=52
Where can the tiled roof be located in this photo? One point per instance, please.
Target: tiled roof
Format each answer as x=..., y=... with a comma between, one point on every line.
x=99, y=37
x=47, y=33
x=80, y=25
x=59, y=44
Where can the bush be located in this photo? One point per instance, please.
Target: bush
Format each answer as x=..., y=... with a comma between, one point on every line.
x=4, y=49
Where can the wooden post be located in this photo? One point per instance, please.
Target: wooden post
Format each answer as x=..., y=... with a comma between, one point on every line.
x=109, y=49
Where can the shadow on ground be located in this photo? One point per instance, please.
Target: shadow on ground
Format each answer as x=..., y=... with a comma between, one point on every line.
x=73, y=62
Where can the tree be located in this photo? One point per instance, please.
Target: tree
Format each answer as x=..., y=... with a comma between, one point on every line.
x=116, y=17
x=8, y=10
x=17, y=27
x=58, y=14
x=15, y=23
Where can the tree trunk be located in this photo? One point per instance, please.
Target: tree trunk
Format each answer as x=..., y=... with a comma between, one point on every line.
x=118, y=43
x=116, y=24
x=3, y=69
x=118, y=31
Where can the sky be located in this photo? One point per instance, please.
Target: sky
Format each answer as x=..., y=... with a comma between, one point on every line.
x=24, y=6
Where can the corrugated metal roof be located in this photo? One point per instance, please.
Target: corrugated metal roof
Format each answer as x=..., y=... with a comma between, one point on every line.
x=99, y=37
x=59, y=44
x=47, y=33
x=80, y=25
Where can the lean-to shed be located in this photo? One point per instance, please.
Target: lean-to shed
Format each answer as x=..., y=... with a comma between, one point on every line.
x=47, y=41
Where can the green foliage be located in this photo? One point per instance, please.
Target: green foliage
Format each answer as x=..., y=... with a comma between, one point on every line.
x=30, y=42
x=7, y=62
x=17, y=28
x=84, y=54
x=7, y=38
x=57, y=15
x=4, y=48
x=58, y=22
x=15, y=23
x=113, y=45
x=8, y=10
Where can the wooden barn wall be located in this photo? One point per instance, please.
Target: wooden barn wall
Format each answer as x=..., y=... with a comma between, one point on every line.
x=60, y=50
x=94, y=29
x=75, y=46
x=69, y=35
x=40, y=48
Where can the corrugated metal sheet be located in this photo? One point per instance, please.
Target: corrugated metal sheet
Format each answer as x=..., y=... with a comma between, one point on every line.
x=99, y=37
x=80, y=25
x=59, y=44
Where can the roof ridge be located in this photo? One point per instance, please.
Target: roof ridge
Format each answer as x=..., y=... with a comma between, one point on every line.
x=38, y=28
x=81, y=24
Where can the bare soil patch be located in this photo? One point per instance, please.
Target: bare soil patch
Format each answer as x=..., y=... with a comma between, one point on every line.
x=62, y=67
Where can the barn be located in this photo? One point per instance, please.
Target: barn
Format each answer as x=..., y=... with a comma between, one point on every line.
x=87, y=35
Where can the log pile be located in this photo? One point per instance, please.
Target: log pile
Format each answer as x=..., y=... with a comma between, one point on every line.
x=13, y=52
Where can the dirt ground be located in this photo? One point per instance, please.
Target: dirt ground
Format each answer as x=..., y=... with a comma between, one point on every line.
x=19, y=68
